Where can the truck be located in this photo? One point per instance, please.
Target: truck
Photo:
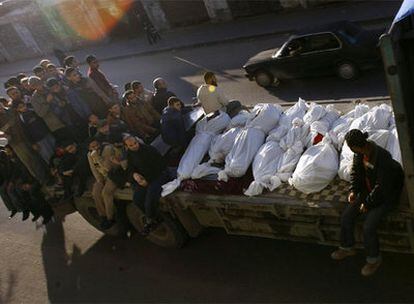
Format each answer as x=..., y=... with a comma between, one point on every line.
x=287, y=213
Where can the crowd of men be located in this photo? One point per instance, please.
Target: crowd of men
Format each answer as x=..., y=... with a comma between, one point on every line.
x=63, y=127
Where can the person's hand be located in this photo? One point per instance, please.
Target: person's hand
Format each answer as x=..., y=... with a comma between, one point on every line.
x=351, y=198
x=49, y=98
x=115, y=160
x=68, y=173
x=140, y=179
x=26, y=187
x=36, y=147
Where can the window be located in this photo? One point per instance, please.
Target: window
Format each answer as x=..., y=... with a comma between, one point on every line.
x=321, y=42
x=294, y=47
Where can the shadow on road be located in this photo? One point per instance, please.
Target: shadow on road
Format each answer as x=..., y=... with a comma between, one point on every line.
x=7, y=288
x=215, y=268
x=371, y=83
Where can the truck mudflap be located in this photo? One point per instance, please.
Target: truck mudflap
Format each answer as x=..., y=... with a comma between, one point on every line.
x=291, y=215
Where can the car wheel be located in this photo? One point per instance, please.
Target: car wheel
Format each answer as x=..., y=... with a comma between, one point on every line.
x=264, y=78
x=347, y=70
x=168, y=234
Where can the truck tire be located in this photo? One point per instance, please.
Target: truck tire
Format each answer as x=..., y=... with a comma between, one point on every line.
x=87, y=209
x=347, y=70
x=168, y=234
x=264, y=78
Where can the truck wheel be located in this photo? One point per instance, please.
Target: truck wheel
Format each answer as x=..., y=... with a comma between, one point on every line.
x=86, y=207
x=264, y=78
x=168, y=234
x=347, y=70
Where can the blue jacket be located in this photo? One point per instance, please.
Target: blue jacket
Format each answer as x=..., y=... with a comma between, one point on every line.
x=172, y=127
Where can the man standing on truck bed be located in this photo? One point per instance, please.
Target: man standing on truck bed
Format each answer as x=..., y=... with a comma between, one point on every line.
x=210, y=96
x=376, y=184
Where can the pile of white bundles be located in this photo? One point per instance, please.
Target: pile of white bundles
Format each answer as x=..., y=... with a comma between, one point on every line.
x=316, y=168
x=206, y=129
x=265, y=117
x=319, y=164
x=377, y=122
x=269, y=158
x=221, y=145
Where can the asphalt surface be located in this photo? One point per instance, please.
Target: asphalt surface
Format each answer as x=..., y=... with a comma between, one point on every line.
x=183, y=71
x=72, y=262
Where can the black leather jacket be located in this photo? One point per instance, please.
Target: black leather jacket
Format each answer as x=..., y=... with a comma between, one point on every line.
x=385, y=176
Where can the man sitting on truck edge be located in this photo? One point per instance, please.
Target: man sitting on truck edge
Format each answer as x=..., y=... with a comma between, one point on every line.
x=147, y=171
x=101, y=161
x=376, y=184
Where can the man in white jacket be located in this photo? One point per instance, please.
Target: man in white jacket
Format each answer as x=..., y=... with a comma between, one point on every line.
x=210, y=96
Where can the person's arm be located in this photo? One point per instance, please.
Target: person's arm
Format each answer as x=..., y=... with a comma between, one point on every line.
x=221, y=97
x=198, y=102
x=380, y=190
x=157, y=161
x=356, y=175
x=99, y=177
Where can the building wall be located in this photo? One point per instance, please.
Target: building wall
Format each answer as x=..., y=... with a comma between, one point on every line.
x=24, y=34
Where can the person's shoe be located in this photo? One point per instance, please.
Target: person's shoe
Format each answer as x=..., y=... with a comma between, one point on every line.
x=46, y=219
x=370, y=268
x=26, y=215
x=35, y=217
x=13, y=213
x=149, y=226
x=340, y=254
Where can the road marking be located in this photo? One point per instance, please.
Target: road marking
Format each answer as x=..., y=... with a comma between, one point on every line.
x=223, y=74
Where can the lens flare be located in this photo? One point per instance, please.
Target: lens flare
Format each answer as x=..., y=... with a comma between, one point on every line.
x=92, y=20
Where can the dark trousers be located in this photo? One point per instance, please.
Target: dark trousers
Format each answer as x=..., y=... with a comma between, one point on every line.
x=81, y=172
x=148, y=198
x=15, y=199
x=372, y=219
x=11, y=203
x=36, y=201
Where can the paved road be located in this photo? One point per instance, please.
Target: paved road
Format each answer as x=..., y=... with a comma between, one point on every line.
x=73, y=262
x=184, y=69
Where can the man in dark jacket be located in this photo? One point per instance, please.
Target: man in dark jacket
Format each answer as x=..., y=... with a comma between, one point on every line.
x=64, y=109
x=100, y=79
x=147, y=170
x=161, y=95
x=376, y=184
x=36, y=131
x=7, y=189
x=172, y=124
x=73, y=166
x=88, y=92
